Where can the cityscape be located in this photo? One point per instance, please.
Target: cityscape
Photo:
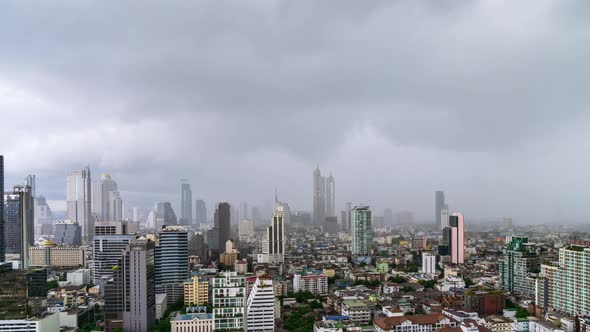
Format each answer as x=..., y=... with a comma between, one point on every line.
x=294, y=166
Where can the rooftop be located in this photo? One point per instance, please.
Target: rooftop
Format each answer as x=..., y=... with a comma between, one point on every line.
x=200, y=316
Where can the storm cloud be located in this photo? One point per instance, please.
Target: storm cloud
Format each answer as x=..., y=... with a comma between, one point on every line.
x=487, y=100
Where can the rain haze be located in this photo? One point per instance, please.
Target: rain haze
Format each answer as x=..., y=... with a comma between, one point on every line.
x=486, y=100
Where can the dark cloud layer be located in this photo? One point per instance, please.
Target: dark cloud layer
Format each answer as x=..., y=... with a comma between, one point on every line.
x=485, y=99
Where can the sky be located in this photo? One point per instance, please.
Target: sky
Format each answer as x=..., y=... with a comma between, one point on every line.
x=487, y=100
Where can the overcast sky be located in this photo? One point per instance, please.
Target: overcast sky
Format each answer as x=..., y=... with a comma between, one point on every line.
x=487, y=100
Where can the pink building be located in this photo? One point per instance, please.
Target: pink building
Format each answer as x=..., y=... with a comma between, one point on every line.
x=457, y=238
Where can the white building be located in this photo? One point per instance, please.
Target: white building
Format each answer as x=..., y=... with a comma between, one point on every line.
x=78, y=200
x=161, y=305
x=246, y=230
x=275, y=235
x=192, y=322
x=49, y=322
x=314, y=283
x=261, y=305
x=229, y=301
x=428, y=263
x=80, y=277
x=357, y=310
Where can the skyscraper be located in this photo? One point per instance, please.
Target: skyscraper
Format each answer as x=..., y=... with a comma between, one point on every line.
x=165, y=215
x=330, y=197
x=107, y=252
x=260, y=313
x=275, y=235
x=115, y=206
x=30, y=180
x=186, y=204
x=101, y=202
x=222, y=223
x=362, y=231
x=439, y=204
x=67, y=233
x=2, y=236
x=444, y=218
x=171, y=262
x=201, y=212
x=453, y=237
x=78, y=196
x=518, y=261
x=319, y=198
x=19, y=223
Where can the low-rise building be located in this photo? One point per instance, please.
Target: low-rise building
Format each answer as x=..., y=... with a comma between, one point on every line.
x=313, y=283
x=196, y=291
x=47, y=322
x=357, y=311
x=161, y=305
x=192, y=322
x=413, y=323
x=80, y=277
x=57, y=256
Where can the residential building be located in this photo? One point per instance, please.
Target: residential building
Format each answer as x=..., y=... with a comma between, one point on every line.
x=261, y=306
x=186, y=204
x=196, y=291
x=357, y=311
x=413, y=323
x=57, y=256
x=330, y=197
x=316, y=283
x=67, y=233
x=19, y=223
x=229, y=301
x=171, y=261
x=78, y=200
x=362, y=231
x=516, y=265
x=196, y=322
x=428, y=263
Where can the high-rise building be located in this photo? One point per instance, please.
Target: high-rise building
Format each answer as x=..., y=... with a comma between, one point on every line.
x=566, y=284
x=67, y=233
x=186, y=204
x=165, y=215
x=439, y=204
x=246, y=230
x=23, y=293
x=331, y=225
x=200, y=212
x=43, y=214
x=101, y=199
x=198, y=247
x=319, y=198
x=453, y=238
x=444, y=218
x=313, y=282
x=229, y=301
x=362, y=231
x=388, y=217
x=428, y=263
x=243, y=213
x=19, y=223
x=79, y=198
x=275, y=235
x=330, y=197
x=260, y=315
x=171, y=262
x=115, y=206
x=141, y=292
x=2, y=236
x=222, y=223
x=196, y=291
x=107, y=252
x=517, y=263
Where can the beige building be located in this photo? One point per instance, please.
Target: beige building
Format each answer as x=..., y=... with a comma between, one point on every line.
x=200, y=322
x=196, y=291
x=58, y=256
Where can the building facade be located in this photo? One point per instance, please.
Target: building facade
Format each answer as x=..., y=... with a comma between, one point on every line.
x=171, y=261
x=229, y=301
x=78, y=200
x=261, y=306
x=67, y=233
x=362, y=231
x=186, y=204
x=196, y=291
x=197, y=322
x=57, y=256
x=19, y=222
x=517, y=263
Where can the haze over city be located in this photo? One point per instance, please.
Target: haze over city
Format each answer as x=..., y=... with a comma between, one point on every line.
x=396, y=99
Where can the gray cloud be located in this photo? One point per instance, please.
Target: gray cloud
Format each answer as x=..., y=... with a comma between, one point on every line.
x=399, y=98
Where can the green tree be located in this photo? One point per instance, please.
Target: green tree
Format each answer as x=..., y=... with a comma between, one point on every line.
x=468, y=282
x=52, y=284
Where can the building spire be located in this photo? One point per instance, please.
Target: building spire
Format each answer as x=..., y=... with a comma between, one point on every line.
x=276, y=196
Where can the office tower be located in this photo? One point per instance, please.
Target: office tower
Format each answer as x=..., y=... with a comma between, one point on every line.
x=171, y=262
x=115, y=206
x=141, y=292
x=319, y=198
x=567, y=287
x=107, y=251
x=246, y=230
x=517, y=263
x=23, y=293
x=200, y=212
x=67, y=233
x=330, y=197
x=222, y=224
x=439, y=204
x=260, y=315
x=43, y=214
x=2, y=225
x=186, y=204
x=275, y=235
x=229, y=299
x=444, y=218
x=362, y=231
x=165, y=215
x=453, y=238
x=428, y=263
x=197, y=247
x=196, y=291
x=78, y=196
x=19, y=223
x=111, y=228
x=101, y=200
x=30, y=180
x=388, y=217
x=243, y=213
